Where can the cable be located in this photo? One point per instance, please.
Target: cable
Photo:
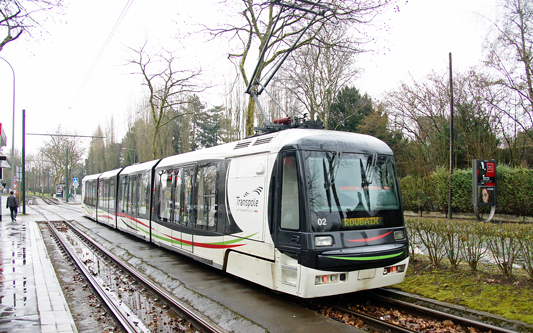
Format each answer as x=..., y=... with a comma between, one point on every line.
x=103, y=48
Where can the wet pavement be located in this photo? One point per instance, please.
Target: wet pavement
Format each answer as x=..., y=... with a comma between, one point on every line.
x=31, y=299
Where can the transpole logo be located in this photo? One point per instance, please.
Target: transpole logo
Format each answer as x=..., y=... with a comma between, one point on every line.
x=249, y=204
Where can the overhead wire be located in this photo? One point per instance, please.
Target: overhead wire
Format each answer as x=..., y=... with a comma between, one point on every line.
x=102, y=49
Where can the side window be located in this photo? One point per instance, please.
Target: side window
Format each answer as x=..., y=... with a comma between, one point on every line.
x=93, y=193
x=177, y=199
x=105, y=198
x=124, y=190
x=206, y=196
x=164, y=195
x=112, y=191
x=189, y=209
x=144, y=194
x=99, y=194
x=290, y=208
x=136, y=196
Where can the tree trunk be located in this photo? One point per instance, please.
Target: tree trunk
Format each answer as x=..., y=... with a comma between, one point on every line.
x=250, y=117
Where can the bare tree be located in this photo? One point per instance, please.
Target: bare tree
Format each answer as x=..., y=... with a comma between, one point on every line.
x=258, y=22
x=314, y=75
x=55, y=151
x=18, y=17
x=421, y=111
x=510, y=53
x=168, y=87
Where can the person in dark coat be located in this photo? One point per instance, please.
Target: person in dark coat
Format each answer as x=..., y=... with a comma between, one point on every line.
x=13, y=205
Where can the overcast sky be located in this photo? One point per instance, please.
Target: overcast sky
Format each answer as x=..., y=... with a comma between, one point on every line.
x=52, y=70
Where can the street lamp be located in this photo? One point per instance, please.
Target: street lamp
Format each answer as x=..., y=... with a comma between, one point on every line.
x=13, y=135
x=133, y=153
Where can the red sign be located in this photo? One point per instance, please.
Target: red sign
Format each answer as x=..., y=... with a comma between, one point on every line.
x=491, y=169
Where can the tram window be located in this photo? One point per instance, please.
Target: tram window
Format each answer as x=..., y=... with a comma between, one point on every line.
x=124, y=194
x=93, y=194
x=105, y=198
x=99, y=194
x=189, y=210
x=177, y=188
x=206, y=196
x=290, y=208
x=144, y=194
x=112, y=191
x=164, y=197
x=136, y=196
x=351, y=191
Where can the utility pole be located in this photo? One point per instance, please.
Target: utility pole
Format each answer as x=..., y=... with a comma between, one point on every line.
x=451, y=140
x=24, y=161
x=66, y=174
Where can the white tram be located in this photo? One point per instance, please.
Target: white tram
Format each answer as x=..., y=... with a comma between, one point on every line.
x=303, y=211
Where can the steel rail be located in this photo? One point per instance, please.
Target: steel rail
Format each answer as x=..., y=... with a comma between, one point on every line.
x=113, y=304
x=202, y=322
x=378, y=294
x=373, y=322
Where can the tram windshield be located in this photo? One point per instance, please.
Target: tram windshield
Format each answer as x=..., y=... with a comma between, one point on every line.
x=350, y=191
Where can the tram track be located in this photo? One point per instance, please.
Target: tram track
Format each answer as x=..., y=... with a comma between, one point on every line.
x=118, y=284
x=382, y=310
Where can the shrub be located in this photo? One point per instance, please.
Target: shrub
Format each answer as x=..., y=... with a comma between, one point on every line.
x=429, y=234
x=430, y=193
x=453, y=242
x=473, y=239
x=526, y=248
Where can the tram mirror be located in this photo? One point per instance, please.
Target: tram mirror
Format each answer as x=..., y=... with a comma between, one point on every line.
x=484, y=182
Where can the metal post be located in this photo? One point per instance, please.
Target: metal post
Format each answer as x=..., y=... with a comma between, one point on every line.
x=451, y=140
x=23, y=161
x=66, y=175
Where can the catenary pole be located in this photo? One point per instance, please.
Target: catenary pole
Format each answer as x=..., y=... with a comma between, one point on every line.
x=66, y=174
x=451, y=140
x=23, y=161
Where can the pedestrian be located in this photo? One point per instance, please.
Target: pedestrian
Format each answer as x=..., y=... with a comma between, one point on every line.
x=13, y=205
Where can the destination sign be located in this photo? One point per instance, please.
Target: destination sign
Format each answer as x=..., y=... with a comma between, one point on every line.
x=362, y=222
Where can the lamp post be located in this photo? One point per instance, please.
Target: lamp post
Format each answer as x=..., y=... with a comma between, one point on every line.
x=13, y=135
x=133, y=153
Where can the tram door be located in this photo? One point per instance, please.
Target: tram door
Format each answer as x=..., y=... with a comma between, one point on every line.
x=184, y=209
x=287, y=215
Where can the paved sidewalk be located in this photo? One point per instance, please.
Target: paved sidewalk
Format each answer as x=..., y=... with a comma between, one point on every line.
x=31, y=299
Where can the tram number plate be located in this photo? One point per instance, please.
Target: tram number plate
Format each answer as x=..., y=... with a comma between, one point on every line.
x=362, y=222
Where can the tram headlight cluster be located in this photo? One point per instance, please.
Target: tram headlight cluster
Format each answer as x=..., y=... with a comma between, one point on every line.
x=323, y=241
x=399, y=234
x=393, y=269
x=330, y=278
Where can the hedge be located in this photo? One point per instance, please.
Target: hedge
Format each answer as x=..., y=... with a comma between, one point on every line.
x=514, y=191
x=465, y=241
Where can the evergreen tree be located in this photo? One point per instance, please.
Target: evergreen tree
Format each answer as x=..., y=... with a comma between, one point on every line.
x=348, y=110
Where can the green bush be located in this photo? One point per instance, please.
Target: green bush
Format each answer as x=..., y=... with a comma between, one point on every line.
x=469, y=241
x=514, y=191
x=526, y=249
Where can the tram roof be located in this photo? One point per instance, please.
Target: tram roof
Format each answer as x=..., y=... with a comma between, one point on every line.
x=273, y=142
x=139, y=167
x=109, y=174
x=91, y=177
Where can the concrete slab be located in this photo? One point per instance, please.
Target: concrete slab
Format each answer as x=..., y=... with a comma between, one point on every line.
x=31, y=299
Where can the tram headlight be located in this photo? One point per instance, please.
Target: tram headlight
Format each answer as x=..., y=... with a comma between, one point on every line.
x=323, y=241
x=399, y=234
